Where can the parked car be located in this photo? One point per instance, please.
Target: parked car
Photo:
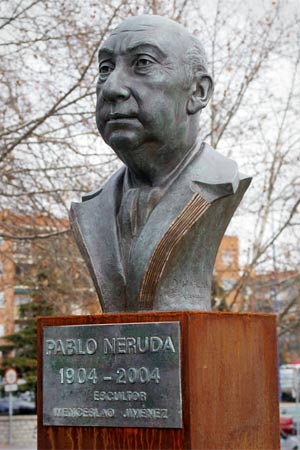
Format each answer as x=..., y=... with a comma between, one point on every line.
x=288, y=442
x=289, y=380
x=19, y=406
x=286, y=374
x=291, y=410
x=287, y=425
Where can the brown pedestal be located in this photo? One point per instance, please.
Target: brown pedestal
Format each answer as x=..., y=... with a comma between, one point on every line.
x=229, y=387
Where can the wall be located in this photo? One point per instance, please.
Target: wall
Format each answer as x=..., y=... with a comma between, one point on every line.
x=24, y=430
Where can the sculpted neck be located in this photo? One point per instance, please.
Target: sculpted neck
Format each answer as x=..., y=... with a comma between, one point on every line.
x=152, y=166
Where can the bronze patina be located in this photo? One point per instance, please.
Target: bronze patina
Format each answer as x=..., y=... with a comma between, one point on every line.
x=150, y=235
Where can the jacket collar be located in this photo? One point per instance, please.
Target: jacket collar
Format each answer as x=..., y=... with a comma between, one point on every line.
x=95, y=227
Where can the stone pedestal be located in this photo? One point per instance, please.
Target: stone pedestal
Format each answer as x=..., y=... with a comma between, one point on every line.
x=229, y=387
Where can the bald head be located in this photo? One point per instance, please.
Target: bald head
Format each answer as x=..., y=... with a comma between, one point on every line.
x=152, y=85
x=194, y=53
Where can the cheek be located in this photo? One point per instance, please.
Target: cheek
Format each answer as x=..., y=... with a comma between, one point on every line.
x=99, y=96
x=99, y=109
x=99, y=101
x=169, y=109
x=98, y=121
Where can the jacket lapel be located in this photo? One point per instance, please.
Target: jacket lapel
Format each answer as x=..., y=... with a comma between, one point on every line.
x=207, y=178
x=202, y=182
x=94, y=225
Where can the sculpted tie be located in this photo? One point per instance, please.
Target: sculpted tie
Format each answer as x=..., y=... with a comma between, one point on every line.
x=136, y=206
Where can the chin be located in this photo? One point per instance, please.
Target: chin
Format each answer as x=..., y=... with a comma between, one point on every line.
x=123, y=142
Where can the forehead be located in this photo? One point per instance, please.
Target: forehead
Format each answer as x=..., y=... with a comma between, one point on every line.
x=161, y=37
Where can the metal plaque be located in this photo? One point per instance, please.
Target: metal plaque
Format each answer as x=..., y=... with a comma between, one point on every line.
x=117, y=375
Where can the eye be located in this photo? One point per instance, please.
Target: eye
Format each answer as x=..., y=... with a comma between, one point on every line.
x=144, y=61
x=105, y=68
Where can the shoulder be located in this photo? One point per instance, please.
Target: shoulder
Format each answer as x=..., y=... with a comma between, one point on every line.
x=98, y=200
x=214, y=168
x=109, y=185
x=218, y=169
x=215, y=174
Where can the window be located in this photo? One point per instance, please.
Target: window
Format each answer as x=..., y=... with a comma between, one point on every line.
x=227, y=258
x=22, y=251
x=2, y=331
x=228, y=283
x=21, y=299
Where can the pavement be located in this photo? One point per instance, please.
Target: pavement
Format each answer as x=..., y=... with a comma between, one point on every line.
x=17, y=447
x=14, y=447
x=10, y=447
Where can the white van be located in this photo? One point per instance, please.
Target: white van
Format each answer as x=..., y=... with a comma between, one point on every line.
x=289, y=379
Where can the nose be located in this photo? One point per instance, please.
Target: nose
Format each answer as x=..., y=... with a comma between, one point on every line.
x=114, y=88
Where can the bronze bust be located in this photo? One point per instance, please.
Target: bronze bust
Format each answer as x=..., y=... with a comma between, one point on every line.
x=150, y=235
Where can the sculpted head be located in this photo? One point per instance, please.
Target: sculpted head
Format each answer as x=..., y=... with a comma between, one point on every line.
x=153, y=83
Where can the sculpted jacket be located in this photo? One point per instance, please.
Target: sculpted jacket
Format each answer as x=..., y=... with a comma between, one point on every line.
x=171, y=263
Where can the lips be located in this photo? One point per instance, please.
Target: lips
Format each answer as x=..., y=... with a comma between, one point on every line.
x=120, y=116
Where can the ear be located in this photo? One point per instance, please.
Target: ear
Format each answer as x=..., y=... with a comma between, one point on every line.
x=201, y=91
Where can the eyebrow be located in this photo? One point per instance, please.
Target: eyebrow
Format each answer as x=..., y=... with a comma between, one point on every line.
x=106, y=52
x=145, y=46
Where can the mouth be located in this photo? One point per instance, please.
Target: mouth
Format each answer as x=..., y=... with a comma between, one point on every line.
x=115, y=117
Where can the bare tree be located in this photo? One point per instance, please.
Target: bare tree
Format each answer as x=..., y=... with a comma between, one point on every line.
x=50, y=149
x=253, y=117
